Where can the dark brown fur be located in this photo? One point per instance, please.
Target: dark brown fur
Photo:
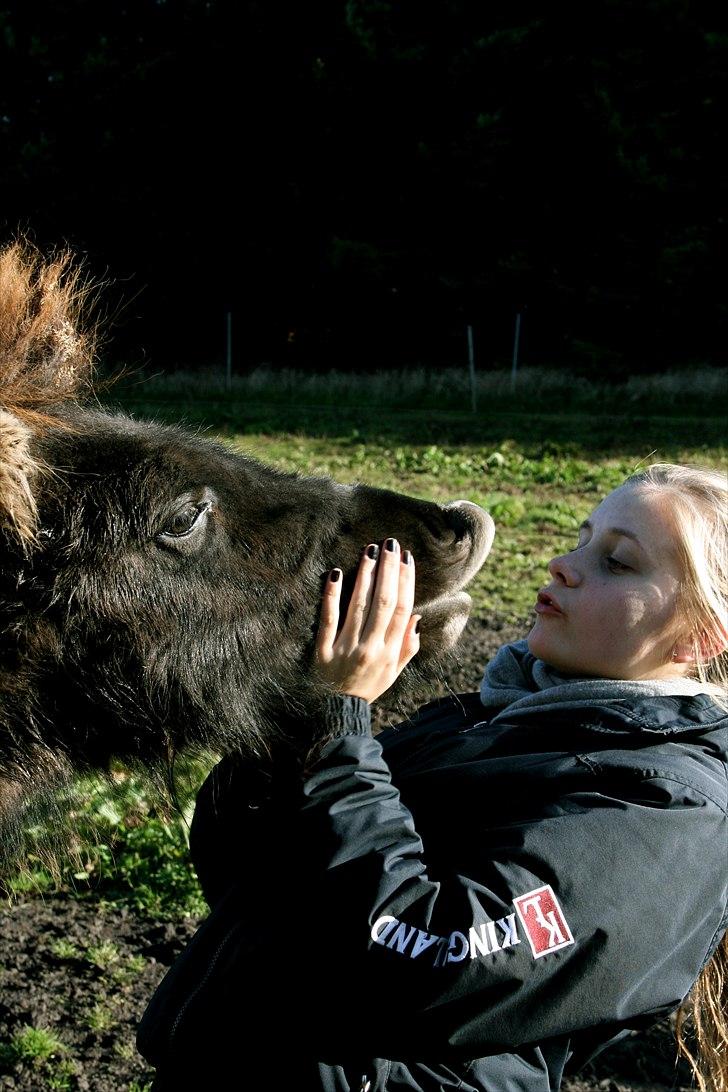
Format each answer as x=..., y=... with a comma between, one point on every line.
x=119, y=637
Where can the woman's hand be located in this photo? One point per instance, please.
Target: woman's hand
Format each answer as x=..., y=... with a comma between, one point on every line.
x=379, y=635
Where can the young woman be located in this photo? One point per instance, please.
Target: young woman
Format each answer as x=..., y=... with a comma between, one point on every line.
x=505, y=883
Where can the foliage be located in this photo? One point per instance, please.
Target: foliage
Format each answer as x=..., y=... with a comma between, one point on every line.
x=103, y=955
x=45, y=1052
x=64, y=949
x=537, y=493
x=549, y=411
x=36, y=1043
x=499, y=389
x=536, y=464
x=127, y=851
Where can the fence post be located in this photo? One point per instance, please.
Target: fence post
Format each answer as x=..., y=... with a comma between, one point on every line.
x=229, y=356
x=516, y=339
x=471, y=368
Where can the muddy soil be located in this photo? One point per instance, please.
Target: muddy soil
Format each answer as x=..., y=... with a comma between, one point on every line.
x=92, y=998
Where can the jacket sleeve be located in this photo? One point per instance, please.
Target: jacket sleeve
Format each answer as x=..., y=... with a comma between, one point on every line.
x=598, y=911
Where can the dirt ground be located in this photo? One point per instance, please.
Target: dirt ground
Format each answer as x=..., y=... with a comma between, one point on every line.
x=93, y=999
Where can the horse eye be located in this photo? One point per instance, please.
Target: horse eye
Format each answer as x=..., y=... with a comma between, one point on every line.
x=183, y=521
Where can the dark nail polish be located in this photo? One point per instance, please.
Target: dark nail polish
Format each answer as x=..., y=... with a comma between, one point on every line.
x=417, y=626
x=334, y=575
x=373, y=552
x=390, y=544
x=406, y=557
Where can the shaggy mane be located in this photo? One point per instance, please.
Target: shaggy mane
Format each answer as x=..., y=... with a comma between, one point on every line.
x=46, y=354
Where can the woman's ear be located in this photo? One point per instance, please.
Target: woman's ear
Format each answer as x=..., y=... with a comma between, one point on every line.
x=683, y=652
x=18, y=513
x=700, y=647
x=710, y=645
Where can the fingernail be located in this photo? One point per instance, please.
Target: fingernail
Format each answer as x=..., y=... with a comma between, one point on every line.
x=406, y=557
x=373, y=552
x=334, y=575
x=417, y=627
x=390, y=544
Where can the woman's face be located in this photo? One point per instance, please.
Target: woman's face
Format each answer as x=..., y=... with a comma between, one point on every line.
x=613, y=598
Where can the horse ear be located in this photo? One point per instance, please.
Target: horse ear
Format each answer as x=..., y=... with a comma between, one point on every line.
x=18, y=513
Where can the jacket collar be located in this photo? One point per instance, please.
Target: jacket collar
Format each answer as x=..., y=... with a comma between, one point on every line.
x=661, y=715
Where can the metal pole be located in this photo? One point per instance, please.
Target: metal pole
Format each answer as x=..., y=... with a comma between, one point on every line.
x=229, y=359
x=471, y=367
x=516, y=339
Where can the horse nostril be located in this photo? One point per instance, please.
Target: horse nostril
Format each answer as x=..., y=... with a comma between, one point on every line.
x=472, y=525
x=459, y=519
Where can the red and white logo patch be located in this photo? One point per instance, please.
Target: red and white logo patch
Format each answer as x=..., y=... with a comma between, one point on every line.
x=543, y=921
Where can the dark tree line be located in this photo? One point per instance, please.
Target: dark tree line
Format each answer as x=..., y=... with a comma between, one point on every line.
x=356, y=180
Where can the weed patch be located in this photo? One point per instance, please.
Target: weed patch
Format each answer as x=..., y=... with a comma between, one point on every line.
x=63, y=949
x=103, y=955
x=41, y=1050
x=125, y=851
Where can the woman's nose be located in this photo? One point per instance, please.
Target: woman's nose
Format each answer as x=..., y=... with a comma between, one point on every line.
x=561, y=568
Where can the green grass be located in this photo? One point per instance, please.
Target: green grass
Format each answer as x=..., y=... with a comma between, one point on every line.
x=551, y=389
x=420, y=406
x=126, y=973
x=106, y=957
x=538, y=473
x=536, y=498
x=45, y=1052
x=63, y=949
x=99, y=1018
x=127, y=852
x=36, y=1044
x=538, y=458
x=103, y=955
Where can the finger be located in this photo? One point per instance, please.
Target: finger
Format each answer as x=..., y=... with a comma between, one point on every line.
x=386, y=592
x=361, y=598
x=411, y=642
x=405, y=600
x=329, y=616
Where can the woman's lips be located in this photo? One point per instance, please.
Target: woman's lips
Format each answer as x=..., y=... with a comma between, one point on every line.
x=546, y=605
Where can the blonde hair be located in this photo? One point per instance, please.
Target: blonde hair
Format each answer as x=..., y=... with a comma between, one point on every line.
x=704, y=1015
x=699, y=504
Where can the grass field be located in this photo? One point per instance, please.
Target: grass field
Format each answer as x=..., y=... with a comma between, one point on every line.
x=536, y=496
x=539, y=461
x=538, y=458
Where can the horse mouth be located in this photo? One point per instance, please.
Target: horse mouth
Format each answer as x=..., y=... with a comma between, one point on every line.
x=476, y=530
x=446, y=615
x=443, y=621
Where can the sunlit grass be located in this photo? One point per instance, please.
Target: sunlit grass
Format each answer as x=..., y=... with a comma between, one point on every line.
x=37, y=1043
x=539, y=478
x=420, y=407
x=40, y=1049
x=103, y=955
x=99, y=1017
x=64, y=949
x=127, y=850
x=537, y=502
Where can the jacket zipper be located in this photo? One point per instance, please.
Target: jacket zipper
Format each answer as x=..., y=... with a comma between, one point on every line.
x=201, y=983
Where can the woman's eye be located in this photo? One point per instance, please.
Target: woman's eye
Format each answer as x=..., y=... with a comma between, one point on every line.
x=618, y=566
x=184, y=520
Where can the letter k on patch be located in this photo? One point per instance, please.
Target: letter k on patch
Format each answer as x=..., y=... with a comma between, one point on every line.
x=543, y=921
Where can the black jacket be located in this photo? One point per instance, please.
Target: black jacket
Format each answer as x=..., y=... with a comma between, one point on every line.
x=528, y=891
